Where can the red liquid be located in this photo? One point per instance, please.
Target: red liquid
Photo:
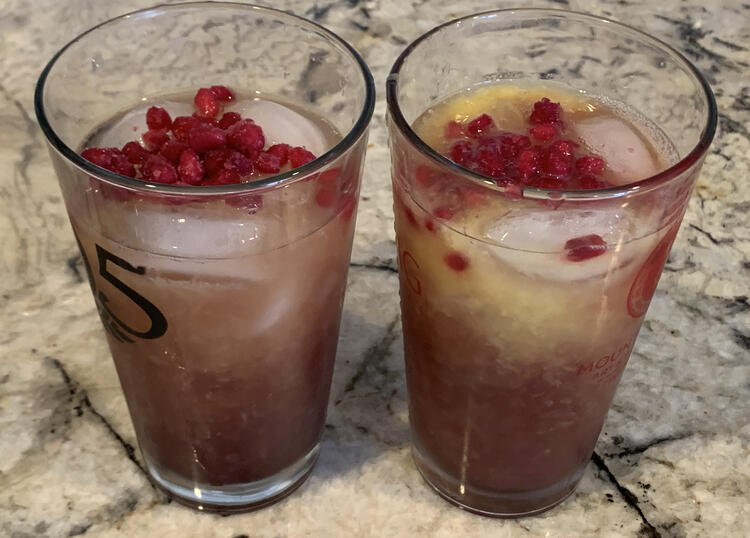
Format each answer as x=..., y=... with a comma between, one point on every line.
x=514, y=350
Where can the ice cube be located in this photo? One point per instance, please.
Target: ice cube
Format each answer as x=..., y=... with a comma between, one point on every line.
x=157, y=237
x=533, y=241
x=132, y=125
x=620, y=146
x=282, y=125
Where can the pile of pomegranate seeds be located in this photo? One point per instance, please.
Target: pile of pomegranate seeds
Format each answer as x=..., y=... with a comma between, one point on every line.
x=541, y=157
x=207, y=148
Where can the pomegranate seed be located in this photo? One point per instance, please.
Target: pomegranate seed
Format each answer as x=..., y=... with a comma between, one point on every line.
x=454, y=129
x=190, y=169
x=330, y=177
x=281, y=151
x=424, y=175
x=543, y=132
x=430, y=225
x=590, y=165
x=566, y=147
x=225, y=176
x=460, y=152
x=588, y=182
x=202, y=139
x=456, y=261
x=158, y=118
x=585, y=247
x=556, y=162
x=202, y=120
x=135, y=153
x=444, y=212
x=545, y=111
x=172, y=150
x=111, y=159
x=512, y=144
x=154, y=139
x=551, y=183
x=158, y=169
x=247, y=137
x=121, y=164
x=228, y=119
x=267, y=163
x=181, y=127
x=528, y=162
x=222, y=93
x=237, y=161
x=206, y=103
x=214, y=160
x=479, y=125
x=325, y=197
x=489, y=161
x=299, y=156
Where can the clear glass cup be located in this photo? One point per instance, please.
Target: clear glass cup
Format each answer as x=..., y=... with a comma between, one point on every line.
x=221, y=303
x=513, y=358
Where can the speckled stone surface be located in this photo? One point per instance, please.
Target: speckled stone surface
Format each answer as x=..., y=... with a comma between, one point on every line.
x=674, y=457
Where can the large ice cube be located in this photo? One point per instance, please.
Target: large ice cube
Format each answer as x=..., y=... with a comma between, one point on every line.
x=282, y=125
x=533, y=241
x=133, y=124
x=157, y=237
x=620, y=146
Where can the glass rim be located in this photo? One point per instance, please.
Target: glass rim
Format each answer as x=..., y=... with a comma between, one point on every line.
x=278, y=180
x=643, y=185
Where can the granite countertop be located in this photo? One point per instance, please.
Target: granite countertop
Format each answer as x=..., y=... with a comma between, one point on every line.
x=674, y=457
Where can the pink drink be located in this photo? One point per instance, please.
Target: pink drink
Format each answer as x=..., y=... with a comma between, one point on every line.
x=517, y=324
x=224, y=348
x=216, y=226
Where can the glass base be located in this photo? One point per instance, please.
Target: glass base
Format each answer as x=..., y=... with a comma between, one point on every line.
x=499, y=504
x=235, y=498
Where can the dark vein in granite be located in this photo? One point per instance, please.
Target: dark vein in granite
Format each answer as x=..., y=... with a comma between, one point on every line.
x=728, y=44
x=376, y=353
x=74, y=389
x=742, y=340
x=317, y=13
x=691, y=35
x=709, y=236
x=638, y=449
x=647, y=529
x=729, y=125
x=72, y=263
x=375, y=266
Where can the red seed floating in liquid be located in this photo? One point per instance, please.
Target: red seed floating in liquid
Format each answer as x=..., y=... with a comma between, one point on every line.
x=203, y=138
x=135, y=153
x=154, y=139
x=158, y=118
x=160, y=170
x=456, y=261
x=479, y=125
x=207, y=103
x=299, y=156
x=222, y=93
x=267, y=163
x=545, y=111
x=190, y=168
x=228, y=119
x=247, y=137
x=585, y=247
x=281, y=151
